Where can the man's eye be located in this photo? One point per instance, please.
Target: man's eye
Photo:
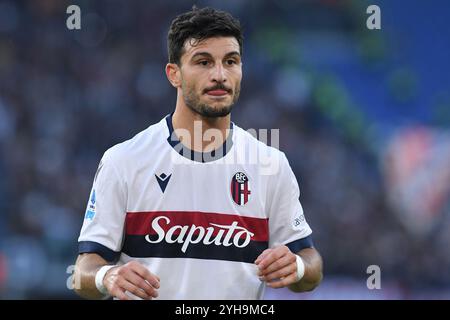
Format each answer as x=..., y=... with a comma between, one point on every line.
x=203, y=63
x=231, y=62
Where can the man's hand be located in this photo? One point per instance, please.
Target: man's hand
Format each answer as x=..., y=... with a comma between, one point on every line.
x=277, y=266
x=134, y=278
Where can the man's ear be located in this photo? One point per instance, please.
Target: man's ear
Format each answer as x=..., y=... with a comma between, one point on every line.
x=173, y=73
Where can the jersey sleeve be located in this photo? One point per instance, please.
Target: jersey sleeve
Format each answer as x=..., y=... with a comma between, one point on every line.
x=103, y=226
x=287, y=223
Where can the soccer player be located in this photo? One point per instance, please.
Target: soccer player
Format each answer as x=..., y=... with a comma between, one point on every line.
x=172, y=216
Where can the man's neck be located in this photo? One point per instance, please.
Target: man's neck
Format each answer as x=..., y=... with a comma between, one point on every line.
x=217, y=129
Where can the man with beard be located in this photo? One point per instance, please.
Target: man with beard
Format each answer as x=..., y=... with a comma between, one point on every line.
x=179, y=211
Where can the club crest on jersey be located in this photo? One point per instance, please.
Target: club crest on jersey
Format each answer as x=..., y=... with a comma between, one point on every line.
x=240, y=188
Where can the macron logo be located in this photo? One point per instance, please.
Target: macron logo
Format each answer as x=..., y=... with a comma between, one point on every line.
x=163, y=180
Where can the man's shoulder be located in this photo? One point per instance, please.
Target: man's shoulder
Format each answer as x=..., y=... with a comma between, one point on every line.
x=144, y=141
x=248, y=140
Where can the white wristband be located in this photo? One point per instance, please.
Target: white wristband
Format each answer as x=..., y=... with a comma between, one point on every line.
x=99, y=276
x=300, y=267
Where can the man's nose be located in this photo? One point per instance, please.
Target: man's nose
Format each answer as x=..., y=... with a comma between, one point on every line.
x=218, y=73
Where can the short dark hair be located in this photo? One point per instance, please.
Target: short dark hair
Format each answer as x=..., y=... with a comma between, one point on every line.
x=200, y=24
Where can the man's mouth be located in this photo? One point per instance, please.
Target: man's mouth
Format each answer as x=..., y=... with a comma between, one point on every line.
x=218, y=92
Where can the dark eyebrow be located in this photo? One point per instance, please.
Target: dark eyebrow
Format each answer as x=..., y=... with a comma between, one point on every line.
x=232, y=53
x=207, y=54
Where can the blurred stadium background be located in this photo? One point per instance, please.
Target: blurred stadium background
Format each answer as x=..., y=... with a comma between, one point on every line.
x=364, y=118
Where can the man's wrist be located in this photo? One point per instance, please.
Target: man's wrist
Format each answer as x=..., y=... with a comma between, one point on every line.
x=100, y=276
x=300, y=267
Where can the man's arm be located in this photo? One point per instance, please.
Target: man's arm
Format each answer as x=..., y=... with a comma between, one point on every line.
x=313, y=271
x=278, y=267
x=132, y=277
x=86, y=267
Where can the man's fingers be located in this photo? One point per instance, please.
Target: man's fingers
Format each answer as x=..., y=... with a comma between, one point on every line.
x=128, y=286
x=281, y=273
x=141, y=283
x=119, y=293
x=292, y=278
x=262, y=255
x=277, y=264
x=274, y=255
x=145, y=274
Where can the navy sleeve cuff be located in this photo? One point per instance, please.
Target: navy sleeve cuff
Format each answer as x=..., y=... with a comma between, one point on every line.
x=297, y=245
x=94, y=247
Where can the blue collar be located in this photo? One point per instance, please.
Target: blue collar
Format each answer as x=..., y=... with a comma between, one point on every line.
x=196, y=155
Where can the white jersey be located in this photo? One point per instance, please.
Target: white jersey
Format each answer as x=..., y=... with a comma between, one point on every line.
x=196, y=220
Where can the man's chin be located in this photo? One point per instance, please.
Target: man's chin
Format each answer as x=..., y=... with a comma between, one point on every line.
x=214, y=111
x=217, y=101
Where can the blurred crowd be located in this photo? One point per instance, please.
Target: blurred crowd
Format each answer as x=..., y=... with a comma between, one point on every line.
x=341, y=95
